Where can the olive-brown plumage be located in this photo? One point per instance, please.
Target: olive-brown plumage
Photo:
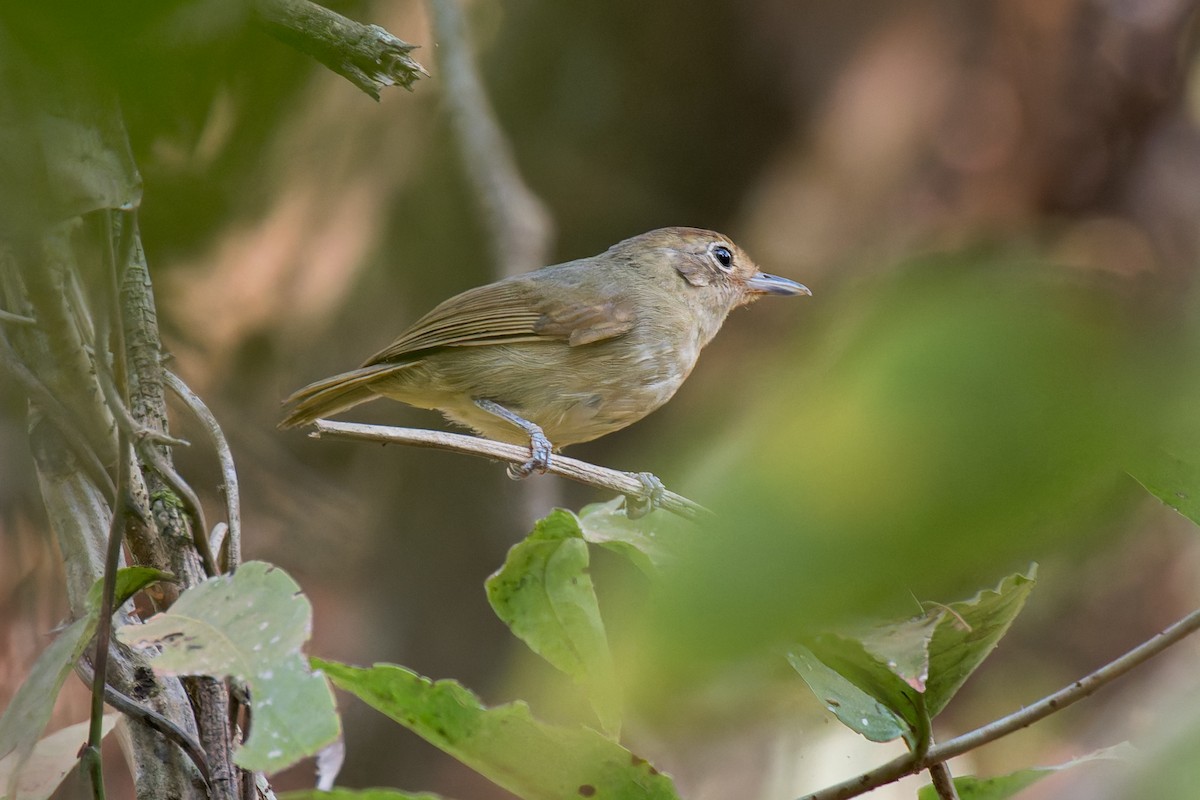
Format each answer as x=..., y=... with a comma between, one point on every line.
x=578, y=350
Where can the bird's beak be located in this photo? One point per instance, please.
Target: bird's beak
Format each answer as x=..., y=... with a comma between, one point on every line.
x=762, y=283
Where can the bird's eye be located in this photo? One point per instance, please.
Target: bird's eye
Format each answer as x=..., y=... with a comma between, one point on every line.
x=723, y=256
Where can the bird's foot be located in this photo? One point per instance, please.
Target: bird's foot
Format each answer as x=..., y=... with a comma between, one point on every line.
x=540, y=451
x=540, y=448
x=650, y=498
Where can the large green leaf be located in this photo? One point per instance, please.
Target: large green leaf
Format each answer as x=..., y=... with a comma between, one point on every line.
x=26, y=716
x=1005, y=786
x=506, y=744
x=251, y=626
x=545, y=595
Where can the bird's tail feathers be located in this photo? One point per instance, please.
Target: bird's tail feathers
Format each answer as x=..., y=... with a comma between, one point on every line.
x=333, y=395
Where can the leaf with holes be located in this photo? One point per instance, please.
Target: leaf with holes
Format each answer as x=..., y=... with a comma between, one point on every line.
x=250, y=626
x=505, y=744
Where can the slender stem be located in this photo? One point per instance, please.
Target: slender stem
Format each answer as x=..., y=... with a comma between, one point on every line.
x=16, y=319
x=612, y=480
x=233, y=504
x=906, y=765
x=112, y=561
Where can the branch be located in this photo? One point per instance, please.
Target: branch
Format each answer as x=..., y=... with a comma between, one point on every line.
x=626, y=483
x=233, y=504
x=907, y=765
x=518, y=223
x=16, y=319
x=366, y=55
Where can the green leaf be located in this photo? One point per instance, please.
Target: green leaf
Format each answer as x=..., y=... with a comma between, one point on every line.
x=26, y=716
x=356, y=794
x=506, y=744
x=856, y=709
x=1173, y=479
x=545, y=595
x=969, y=632
x=133, y=579
x=999, y=788
x=251, y=626
x=651, y=543
x=50, y=761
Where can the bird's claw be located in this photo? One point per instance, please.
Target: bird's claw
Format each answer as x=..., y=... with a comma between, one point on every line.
x=650, y=498
x=540, y=451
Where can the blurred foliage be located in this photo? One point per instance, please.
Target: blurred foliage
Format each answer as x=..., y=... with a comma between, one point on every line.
x=964, y=415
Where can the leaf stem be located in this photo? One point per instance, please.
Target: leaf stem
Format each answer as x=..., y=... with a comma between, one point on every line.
x=112, y=558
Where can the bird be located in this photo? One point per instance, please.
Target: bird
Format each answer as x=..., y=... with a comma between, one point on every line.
x=566, y=353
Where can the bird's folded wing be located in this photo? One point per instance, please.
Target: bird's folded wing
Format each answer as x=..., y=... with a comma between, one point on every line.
x=509, y=312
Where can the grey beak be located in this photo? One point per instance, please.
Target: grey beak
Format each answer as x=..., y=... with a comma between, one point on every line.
x=762, y=283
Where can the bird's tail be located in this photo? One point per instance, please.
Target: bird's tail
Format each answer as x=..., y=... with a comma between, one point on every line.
x=332, y=395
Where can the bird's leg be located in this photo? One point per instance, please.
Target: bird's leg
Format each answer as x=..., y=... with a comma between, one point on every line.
x=539, y=446
x=639, y=505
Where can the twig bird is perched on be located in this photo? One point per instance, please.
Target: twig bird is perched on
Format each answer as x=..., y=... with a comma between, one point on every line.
x=563, y=354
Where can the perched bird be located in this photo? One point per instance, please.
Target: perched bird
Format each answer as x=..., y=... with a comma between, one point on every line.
x=563, y=354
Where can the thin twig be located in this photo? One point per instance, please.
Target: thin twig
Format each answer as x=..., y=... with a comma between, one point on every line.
x=907, y=765
x=112, y=561
x=366, y=55
x=612, y=480
x=233, y=503
x=16, y=319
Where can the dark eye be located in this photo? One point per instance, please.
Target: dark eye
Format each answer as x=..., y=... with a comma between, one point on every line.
x=723, y=256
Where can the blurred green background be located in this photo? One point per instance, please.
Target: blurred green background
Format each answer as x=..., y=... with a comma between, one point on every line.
x=995, y=205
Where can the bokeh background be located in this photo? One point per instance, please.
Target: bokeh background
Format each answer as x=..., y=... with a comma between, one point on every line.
x=996, y=205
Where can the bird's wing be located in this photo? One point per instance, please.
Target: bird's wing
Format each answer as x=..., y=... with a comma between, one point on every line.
x=508, y=312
